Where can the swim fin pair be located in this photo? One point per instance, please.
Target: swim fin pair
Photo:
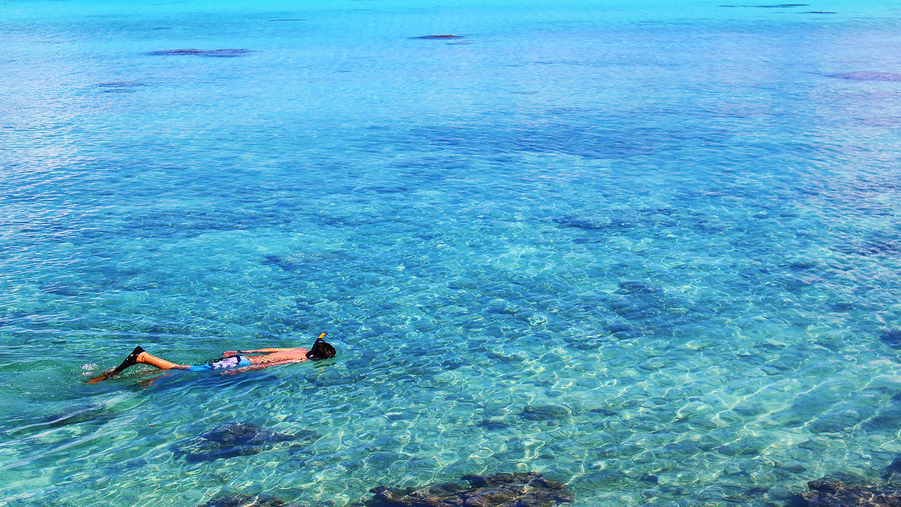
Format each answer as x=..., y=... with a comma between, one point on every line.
x=131, y=360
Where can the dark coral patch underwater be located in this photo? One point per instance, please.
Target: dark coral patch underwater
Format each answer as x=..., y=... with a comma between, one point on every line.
x=438, y=37
x=546, y=413
x=119, y=86
x=834, y=493
x=451, y=40
x=497, y=490
x=892, y=338
x=211, y=53
x=235, y=439
x=241, y=500
x=771, y=6
x=868, y=76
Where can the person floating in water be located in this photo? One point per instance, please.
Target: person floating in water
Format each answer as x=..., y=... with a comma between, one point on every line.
x=231, y=359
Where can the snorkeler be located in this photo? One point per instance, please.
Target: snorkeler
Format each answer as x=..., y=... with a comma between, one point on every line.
x=239, y=360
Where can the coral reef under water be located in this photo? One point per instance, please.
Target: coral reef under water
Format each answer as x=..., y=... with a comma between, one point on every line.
x=496, y=490
x=214, y=53
x=234, y=439
x=868, y=76
x=240, y=500
x=835, y=493
x=438, y=37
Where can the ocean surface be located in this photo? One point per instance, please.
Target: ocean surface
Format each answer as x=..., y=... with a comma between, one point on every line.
x=648, y=249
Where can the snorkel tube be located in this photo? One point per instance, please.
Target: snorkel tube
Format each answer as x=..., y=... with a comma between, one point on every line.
x=320, y=349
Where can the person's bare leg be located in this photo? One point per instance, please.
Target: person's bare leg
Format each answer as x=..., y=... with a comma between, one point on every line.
x=138, y=355
x=158, y=362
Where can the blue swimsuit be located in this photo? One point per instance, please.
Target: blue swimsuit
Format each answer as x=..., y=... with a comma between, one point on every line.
x=228, y=363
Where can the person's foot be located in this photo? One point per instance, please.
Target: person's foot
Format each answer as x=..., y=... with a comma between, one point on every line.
x=131, y=360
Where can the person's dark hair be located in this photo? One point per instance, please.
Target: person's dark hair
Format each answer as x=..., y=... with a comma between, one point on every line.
x=321, y=350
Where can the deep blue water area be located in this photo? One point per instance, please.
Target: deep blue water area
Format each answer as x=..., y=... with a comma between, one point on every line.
x=648, y=250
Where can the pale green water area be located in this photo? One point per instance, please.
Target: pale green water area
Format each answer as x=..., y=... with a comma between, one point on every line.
x=650, y=250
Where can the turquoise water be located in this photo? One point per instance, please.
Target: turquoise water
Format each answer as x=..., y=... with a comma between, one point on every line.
x=649, y=250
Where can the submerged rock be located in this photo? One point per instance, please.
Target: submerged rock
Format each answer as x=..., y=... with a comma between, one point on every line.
x=636, y=287
x=868, y=76
x=439, y=37
x=576, y=222
x=244, y=501
x=215, y=53
x=493, y=424
x=834, y=493
x=94, y=413
x=544, y=413
x=119, y=86
x=770, y=6
x=892, y=338
x=234, y=439
x=78, y=414
x=497, y=490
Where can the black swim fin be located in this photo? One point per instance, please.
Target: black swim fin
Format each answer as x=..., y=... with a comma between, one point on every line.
x=131, y=360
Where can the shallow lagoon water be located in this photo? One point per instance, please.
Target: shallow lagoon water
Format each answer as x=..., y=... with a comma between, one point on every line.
x=652, y=253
